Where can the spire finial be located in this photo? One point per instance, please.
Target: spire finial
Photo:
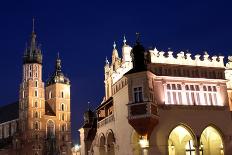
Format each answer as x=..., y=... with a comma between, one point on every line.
x=58, y=55
x=88, y=105
x=114, y=45
x=58, y=62
x=124, y=39
x=137, y=37
x=33, y=25
x=106, y=61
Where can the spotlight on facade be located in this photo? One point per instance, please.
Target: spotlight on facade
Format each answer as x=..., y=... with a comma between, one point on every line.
x=144, y=143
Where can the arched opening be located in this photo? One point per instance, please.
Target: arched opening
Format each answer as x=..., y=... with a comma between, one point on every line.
x=102, y=142
x=181, y=141
x=62, y=107
x=36, y=114
x=211, y=142
x=110, y=143
x=137, y=150
x=36, y=125
x=62, y=94
x=49, y=95
x=50, y=129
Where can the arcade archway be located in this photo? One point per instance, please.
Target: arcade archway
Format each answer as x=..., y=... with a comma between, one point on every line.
x=211, y=142
x=181, y=141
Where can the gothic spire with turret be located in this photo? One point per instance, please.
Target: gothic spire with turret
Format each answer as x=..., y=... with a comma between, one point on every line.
x=32, y=52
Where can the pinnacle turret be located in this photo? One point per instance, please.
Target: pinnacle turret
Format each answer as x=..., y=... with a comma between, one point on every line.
x=58, y=76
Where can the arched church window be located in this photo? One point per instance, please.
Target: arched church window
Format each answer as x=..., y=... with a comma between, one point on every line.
x=36, y=114
x=62, y=94
x=36, y=83
x=36, y=93
x=62, y=107
x=63, y=127
x=37, y=125
x=50, y=129
x=62, y=117
x=50, y=95
x=36, y=104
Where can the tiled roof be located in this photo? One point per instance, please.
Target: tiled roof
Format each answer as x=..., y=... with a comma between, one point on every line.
x=9, y=112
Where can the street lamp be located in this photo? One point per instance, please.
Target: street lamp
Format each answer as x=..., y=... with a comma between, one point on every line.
x=77, y=148
x=144, y=144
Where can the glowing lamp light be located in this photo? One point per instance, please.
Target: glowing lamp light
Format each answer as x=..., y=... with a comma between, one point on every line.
x=201, y=146
x=77, y=147
x=144, y=143
x=221, y=149
x=172, y=146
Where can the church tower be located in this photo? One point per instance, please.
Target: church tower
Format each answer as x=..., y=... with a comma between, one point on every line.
x=31, y=98
x=58, y=109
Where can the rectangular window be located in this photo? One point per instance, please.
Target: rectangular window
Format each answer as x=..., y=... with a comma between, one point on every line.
x=138, y=96
x=169, y=97
x=180, y=98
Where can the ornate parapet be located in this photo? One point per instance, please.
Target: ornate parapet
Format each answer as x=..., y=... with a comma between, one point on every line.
x=228, y=72
x=229, y=63
x=186, y=59
x=118, y=74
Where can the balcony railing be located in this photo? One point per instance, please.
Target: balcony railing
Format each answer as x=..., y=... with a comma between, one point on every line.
x=105, y=121
x=141, y=110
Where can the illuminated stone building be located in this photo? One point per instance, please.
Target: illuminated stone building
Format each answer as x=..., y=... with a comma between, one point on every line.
x=160, y=103
x=41, y=123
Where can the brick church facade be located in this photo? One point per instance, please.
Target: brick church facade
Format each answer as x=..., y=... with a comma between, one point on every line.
x=39, y=123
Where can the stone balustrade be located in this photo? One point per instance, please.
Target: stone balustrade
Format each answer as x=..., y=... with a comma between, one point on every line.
x=105, y=121
x=186, y=59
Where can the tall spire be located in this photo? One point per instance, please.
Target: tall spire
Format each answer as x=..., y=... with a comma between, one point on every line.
x=137, y=37
x=114, y=45
x=33, y=52
x=106, y=61
x=124, y=39
x=57, y=76
x=33, y=25
x=58, y=63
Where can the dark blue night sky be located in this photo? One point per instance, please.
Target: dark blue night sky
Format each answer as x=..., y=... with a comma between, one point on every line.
x=83, y=33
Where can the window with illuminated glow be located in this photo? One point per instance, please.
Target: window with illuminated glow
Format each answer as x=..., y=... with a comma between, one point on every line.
x=191, y=94
x=180, y=141
x=190, y=150
x=211, y=142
